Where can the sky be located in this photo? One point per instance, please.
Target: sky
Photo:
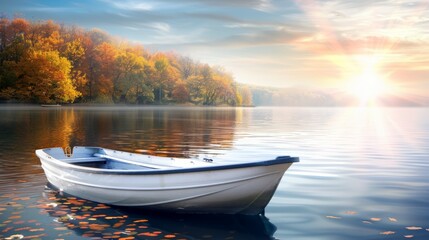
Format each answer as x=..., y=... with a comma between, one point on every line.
x=365, y=46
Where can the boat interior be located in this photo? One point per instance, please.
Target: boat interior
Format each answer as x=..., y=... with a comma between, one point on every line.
x=94, y=157
x=105, y=163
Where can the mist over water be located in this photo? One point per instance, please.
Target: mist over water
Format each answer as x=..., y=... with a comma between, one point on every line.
x=362, y=172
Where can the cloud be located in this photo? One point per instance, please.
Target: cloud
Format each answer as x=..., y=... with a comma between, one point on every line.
x=265, y=6
x=160, y=26
x=308, y=41
x=252, y=4
x=130, y=5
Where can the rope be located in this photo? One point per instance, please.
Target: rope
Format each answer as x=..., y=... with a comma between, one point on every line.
x=67, y=151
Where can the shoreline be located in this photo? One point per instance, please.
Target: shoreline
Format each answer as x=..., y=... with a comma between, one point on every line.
x=96, y=105
x=187, y=105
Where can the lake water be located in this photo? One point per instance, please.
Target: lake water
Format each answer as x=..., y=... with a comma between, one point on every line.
x=363, y=173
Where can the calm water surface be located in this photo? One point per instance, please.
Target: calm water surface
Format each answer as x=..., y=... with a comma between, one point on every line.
x=362, y=175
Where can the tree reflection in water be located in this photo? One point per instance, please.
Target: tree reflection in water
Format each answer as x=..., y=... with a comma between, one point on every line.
x=179, y=132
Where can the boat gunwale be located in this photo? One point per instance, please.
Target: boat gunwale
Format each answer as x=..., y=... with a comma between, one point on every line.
x=175, y=188
x=277, y=161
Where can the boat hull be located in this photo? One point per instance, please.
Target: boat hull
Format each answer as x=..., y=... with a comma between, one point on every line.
x=243, y=190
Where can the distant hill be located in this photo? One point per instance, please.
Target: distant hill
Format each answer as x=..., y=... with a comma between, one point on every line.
x=268, y=96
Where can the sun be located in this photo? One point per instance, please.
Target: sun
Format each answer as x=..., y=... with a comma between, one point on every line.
x=369, y=86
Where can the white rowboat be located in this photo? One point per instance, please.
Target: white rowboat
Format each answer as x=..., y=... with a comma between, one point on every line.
x=163, y=183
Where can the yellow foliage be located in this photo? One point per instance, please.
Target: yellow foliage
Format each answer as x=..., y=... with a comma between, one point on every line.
x=48, y=63
x=44, y=76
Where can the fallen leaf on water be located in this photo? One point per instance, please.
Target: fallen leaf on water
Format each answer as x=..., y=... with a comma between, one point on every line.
x=98, y=227
x=140, y=221
x=7, y=195
x=148, y=234
x=350, y=212
x=114, y=217
x=52, y=205
x=37, y=229
x=22, y=229
x=393, y=219
x=333, y=217
x=15, y=236
x=7, y=229
x=116, y=225
x=35, y=236
x=59, y=213
x=61, y=228
x=387, y=233
x=111, y=237
x=408, y=236
x=65, y=218
x=88, y=235
x=375, y=219
x=414, y=228
x=126, y=238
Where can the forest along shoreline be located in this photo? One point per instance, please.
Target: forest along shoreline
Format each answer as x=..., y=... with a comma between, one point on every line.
x=45, y=62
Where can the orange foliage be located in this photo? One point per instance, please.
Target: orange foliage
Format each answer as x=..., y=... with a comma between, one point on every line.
x=49, y=63
x=44, y=76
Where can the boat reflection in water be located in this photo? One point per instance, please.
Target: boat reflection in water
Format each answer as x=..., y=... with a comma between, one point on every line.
x=90, y=219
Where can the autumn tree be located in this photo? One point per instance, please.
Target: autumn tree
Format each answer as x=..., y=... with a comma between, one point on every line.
x=180, y=92
x=47, y=62
x=99, y=56
x=131, y=81
x=211, y=87
x=103, y=70
x=45, y=36
x=43, y=77
x=77, y=47
x=13, y=46
x=13, y=39
x=245, y=95
x=187, y=67
x=164, y=78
